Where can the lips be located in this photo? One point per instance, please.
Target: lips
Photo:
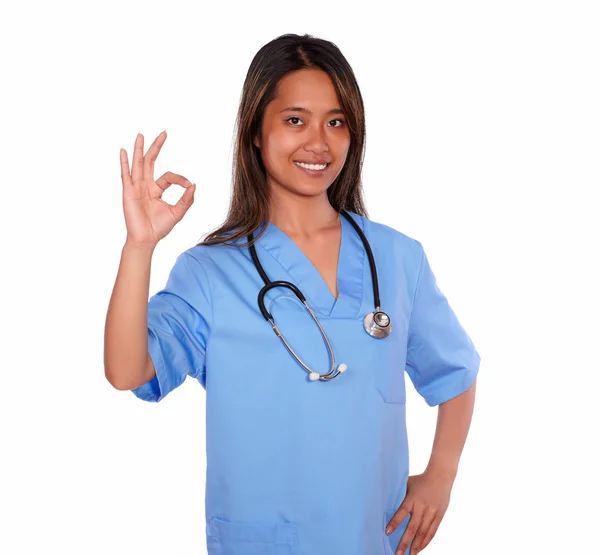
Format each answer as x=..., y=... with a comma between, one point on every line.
x=312, y=173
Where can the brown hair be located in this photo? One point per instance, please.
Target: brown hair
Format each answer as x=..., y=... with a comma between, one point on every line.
x=249, y=205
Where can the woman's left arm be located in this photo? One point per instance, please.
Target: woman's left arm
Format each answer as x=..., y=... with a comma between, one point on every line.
x=428, y=494
x=454, y=420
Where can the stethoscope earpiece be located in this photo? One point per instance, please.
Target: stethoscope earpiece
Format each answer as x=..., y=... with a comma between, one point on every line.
x=377, y=324
x=314, y=376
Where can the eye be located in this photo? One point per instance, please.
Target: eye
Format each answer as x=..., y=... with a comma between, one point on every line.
x=340, y=120
x=297, y=118
x=291, y=118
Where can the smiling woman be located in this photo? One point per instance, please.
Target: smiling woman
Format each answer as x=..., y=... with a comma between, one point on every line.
x=298, y=463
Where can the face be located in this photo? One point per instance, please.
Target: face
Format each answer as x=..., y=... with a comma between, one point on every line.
x=314, y=131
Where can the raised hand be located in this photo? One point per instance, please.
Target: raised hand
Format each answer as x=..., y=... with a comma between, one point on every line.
x=149, y=218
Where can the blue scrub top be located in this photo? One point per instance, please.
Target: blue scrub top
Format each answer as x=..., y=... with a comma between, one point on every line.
x=294, y=466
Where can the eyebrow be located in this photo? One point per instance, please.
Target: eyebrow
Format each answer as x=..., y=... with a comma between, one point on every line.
x=305, y=110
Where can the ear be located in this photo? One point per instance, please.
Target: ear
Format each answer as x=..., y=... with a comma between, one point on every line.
x=256, y=142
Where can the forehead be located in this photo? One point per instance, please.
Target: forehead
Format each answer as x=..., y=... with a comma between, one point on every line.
x=309, y=88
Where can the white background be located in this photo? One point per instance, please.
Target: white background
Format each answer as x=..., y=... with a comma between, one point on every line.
x=483, y=137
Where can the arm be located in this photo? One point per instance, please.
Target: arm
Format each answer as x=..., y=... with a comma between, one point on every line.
x=126, y=359
x=454, y=420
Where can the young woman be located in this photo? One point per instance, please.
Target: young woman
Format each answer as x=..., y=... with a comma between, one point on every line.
x=306, y=436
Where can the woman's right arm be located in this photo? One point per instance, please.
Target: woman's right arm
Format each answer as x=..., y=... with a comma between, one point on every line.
x=127, y=363
x=148, y=218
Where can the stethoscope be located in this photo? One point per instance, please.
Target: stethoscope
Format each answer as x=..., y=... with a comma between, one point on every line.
x=377, y=324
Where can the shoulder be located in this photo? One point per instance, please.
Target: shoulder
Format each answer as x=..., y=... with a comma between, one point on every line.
x=212, y=258
x=390, y=238
x=200, y=255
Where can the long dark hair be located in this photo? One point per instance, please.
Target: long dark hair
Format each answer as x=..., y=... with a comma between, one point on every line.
x=249, y=206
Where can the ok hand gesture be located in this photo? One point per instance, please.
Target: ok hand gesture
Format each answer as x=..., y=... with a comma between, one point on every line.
x=149, y=218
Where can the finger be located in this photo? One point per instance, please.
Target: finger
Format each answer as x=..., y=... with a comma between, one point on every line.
x=433, y=528
x=169, y=178
x=125, y=175
x=152, y=154
x=426, y=521
x=184, y=203
x=409, y=533
x=138, y=158
x=402, y=512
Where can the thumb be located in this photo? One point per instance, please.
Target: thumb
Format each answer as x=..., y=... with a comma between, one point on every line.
x=184, y=203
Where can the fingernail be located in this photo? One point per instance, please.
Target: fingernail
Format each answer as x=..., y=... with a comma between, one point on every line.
x=388, y=530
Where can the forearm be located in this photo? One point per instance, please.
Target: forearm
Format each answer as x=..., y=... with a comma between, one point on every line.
x=126, y=328
x=453, y=422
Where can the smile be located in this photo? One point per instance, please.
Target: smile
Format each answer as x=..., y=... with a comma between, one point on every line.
x=314, y=169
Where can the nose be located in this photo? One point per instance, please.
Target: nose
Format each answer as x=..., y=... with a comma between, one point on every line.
x=316, y=140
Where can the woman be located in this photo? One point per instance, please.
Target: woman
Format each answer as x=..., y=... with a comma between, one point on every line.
x=306, y=440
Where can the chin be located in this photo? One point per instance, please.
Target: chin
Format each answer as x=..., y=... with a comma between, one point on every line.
x=310, y=189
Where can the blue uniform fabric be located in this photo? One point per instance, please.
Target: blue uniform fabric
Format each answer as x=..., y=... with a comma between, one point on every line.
x=297, y=467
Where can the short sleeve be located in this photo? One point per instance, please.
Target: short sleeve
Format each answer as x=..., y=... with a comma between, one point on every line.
x=179, y=319
x=441, y=360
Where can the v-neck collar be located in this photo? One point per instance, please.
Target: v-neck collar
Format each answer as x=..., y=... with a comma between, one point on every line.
x=302, y=272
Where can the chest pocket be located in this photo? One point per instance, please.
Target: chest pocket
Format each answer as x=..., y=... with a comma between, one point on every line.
x=388, y=367
x=390, y=384
x=226, y=537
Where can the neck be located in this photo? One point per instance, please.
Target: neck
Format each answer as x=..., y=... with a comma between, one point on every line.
x=303, y=217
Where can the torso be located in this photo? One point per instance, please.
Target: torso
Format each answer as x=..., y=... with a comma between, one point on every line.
x=262, y=410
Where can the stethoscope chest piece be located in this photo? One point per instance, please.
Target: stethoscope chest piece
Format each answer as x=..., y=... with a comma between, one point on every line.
x=377, y=324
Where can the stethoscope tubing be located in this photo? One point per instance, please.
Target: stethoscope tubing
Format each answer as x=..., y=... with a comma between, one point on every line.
x=297, y=291
x=370, y=326
x=374, y=280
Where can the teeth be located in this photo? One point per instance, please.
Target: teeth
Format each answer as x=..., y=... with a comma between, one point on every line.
x=311, y=166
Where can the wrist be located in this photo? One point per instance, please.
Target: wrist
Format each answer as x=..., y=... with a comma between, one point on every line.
x=141, y=247
x=445, y=471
